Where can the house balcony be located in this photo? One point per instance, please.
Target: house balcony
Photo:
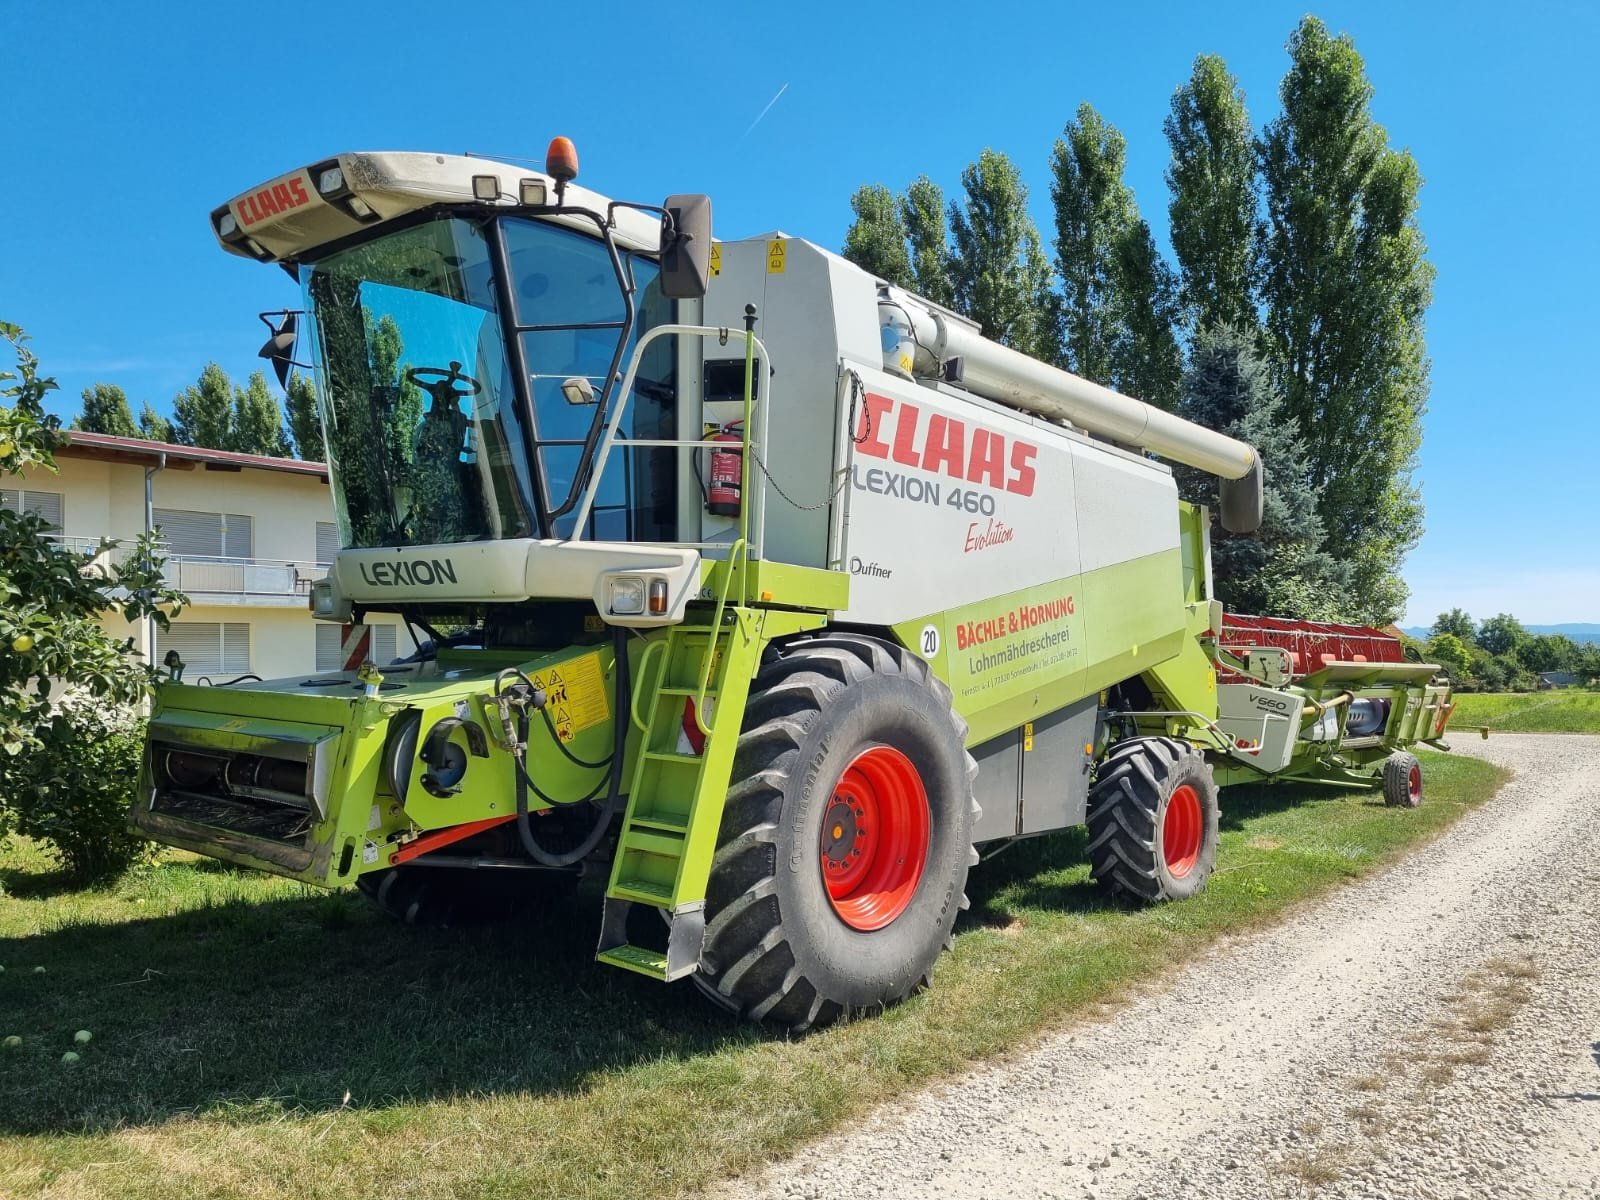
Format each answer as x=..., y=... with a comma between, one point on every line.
x=221, y=580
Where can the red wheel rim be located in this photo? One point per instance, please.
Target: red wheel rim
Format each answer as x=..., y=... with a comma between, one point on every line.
x=1414, y=784
x=874, y=838
x=1181, y=830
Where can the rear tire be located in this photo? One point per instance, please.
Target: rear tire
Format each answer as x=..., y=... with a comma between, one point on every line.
x=842, y=858
x=1153, y=820
x=1402, y=780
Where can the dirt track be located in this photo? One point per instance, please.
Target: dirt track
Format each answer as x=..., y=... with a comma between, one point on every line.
x=1433, y=1031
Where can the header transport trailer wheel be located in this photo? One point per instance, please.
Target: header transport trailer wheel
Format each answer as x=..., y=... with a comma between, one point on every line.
x=842, y=859
x=1402, y=780
x=1153, y=820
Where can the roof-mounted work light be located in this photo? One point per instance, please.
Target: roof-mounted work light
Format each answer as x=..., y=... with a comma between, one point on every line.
x=486, y=188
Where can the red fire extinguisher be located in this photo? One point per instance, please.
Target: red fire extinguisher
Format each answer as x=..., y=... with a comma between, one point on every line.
x=726, y=475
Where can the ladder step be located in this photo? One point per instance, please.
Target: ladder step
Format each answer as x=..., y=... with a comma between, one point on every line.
x=688, y=692
x=668, y=756
x=642, y=891
x=636, y=958
x=667, y=821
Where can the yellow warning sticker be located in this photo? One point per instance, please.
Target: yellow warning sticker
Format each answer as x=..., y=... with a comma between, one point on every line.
x=775, y=256
x=576, y=694
x=716, y=259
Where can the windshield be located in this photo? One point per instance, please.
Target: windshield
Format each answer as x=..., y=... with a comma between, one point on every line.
x=425, y=433
x=419, y=413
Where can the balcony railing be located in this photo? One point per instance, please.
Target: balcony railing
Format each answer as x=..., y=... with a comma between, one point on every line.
x=202, y=574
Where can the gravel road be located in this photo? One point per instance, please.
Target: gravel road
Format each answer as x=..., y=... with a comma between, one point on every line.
x=1433, y=1031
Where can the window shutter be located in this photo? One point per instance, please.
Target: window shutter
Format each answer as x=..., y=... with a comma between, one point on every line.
x=238, y=536
x=327, y=542
x=235, y=648
x=383, y=644
x=198, y=643
x=48, y=505
x=329, y=643
x=188, y=532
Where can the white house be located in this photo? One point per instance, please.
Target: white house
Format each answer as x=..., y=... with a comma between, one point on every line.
x=246, y=535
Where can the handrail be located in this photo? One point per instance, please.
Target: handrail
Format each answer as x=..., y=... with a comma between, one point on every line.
x=642, y=686
x=741, y=551
x=625, y=392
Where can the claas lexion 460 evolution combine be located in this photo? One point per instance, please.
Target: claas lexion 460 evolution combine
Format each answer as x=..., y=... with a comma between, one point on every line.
x=767, y=589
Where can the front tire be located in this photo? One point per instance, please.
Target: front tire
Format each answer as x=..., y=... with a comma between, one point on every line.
x=1402, y=780
x=842, y=858
x=1153, y=820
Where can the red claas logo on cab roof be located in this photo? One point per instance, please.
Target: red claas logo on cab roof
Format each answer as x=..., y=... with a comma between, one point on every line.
x=897, y=431
x=271, y=200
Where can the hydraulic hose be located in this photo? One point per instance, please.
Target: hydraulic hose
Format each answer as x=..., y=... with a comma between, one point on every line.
x=621, y=705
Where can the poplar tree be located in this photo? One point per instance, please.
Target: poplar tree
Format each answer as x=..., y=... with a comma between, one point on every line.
x=105, y=410
x=1118, y=295
x=876, y=240
x=202, y=415
x=1345, y=286
x=922, y=214
x=153, y=426
x=257, y=425
x=999, y=274
x=1212, y=175
x=305, y=426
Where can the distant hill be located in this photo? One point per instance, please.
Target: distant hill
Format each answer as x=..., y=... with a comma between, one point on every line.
x=1579, y=633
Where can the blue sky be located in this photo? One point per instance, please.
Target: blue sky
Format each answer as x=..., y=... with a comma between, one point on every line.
x=124, y=125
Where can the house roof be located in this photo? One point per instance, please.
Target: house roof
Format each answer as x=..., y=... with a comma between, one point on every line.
x=105, y=447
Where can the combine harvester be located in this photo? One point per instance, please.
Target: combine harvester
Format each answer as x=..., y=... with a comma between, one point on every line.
x=775, y=628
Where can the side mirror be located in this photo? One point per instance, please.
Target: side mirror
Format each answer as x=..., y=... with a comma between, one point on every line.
x=279, y=350
x=686, y=247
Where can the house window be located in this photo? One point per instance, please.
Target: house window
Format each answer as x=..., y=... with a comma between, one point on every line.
x=327, y=541
x=25, y=500
x=212, y=648
x=330, y=645
x=206, y=535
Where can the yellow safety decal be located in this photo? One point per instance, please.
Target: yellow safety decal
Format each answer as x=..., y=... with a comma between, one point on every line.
x=1027, y=736
x=716, y=259
x=576, y=694
x=775, y=255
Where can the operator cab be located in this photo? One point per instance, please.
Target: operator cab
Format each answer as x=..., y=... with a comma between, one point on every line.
x=467, y=323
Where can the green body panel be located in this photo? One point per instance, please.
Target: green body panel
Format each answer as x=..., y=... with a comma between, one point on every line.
x=1026, y=653
x=365, y=822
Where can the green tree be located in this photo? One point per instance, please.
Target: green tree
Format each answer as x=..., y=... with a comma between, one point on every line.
x=1345, y=284
x=1458, y=622
x=999, y=275
x=1119, y=298
x=876, y=240
x=61, y=672
x=1451, y=653
x=922, y=212
x=1548, y=652
x=202, y=415
x=257, y=424
x=1212, y=176
x=1146, y=362
x=305, y=426
x=1502, y=635
x=154, y=427
x=1281, y=568
x=1093, y=210
x=105, y=410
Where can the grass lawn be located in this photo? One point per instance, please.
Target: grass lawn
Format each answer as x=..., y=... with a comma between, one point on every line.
x=1528, y=712
x=253, y=1038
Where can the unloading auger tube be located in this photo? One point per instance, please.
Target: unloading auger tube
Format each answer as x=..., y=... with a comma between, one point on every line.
x=928, y=339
